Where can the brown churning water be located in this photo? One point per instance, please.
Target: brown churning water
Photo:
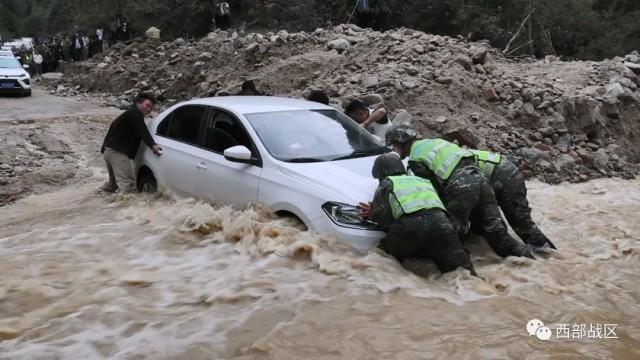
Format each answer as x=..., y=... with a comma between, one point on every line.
x=132, y=277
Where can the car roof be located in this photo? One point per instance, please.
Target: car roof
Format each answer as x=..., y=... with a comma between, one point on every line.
x=258, y=104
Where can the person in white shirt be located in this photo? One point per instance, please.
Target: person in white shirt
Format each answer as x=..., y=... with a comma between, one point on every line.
x=37, y=60
x=374, y=119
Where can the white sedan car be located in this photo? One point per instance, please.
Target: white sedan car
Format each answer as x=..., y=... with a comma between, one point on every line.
x=13, y=77
x=300, y=158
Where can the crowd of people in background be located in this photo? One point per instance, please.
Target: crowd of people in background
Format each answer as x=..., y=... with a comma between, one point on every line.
x=49, y=54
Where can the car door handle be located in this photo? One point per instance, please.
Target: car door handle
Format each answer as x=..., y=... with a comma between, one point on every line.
x=201, y=166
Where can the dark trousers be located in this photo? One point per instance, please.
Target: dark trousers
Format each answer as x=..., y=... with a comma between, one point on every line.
x=77, y=54
x=469, y=198
x=511, y=194
x=222, y=22
x=427, y=234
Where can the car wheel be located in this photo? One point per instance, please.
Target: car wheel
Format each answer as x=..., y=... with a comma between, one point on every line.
x=148, y=184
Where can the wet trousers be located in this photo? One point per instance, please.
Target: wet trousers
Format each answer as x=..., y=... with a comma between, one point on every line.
x=469, y=198
x=120, y=169
x=427, y=234
x=511, y=194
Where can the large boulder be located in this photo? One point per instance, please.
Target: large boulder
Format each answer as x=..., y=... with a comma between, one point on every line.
x=614, y=90
x=564, y=164
x=339, y=44
x=152, y=33
x=463, y=136
x=531, y=155
x=479, y=55
x=633, y=67
x=582, y=113
x=52, y=76
x=402, y=117
x=372, y=99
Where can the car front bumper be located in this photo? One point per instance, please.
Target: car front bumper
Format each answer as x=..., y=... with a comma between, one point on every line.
x=361, y=240
x=15, y=85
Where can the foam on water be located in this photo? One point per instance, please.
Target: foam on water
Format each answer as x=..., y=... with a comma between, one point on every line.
x=131, y=276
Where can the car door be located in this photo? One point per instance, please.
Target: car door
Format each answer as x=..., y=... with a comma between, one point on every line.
x=178, y=135
x=219, y=179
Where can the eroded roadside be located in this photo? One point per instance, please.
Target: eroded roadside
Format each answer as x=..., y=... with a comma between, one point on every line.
x=45, y=155
x=47, y=142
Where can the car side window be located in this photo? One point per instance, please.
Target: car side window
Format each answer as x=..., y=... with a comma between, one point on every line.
x=183, y=124
x=163, y=127
x=223, y=131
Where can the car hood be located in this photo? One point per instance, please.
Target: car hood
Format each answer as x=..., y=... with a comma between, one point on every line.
x=11, y=72
x=348, y=181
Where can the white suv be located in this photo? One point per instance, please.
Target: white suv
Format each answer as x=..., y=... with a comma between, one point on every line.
x=300, y=158
x=13, y=77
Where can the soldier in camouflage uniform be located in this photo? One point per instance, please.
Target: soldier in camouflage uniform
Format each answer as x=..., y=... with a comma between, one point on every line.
x=511, y=194
x=410, y=211
x=466, y=193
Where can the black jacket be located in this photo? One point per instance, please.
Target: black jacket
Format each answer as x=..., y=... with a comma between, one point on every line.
x=126, y=131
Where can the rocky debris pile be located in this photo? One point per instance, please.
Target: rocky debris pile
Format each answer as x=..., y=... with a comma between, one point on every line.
x=561, y=120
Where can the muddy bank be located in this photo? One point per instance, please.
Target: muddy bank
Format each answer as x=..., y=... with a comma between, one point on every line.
x=39, y=156
x=87, y=276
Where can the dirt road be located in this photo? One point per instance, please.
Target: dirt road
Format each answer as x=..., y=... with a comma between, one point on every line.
x=42, y=105
x=47, y=142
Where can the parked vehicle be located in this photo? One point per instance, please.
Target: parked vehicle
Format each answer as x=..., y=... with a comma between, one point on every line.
x=300, y=158
x=13, y=77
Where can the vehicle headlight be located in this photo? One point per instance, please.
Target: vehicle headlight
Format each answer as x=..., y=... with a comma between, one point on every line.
x=347, y=216
x=23, y=75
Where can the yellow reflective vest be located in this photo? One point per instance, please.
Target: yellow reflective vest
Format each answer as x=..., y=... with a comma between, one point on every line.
x=440, y=156
x=411, y=194
x=486, y=161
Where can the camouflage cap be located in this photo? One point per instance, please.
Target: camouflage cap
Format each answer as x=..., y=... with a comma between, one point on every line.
x=388, y=164
x=400, y=134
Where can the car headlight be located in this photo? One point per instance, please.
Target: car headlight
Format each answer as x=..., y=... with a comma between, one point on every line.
x=347, y=216
x=23, y=75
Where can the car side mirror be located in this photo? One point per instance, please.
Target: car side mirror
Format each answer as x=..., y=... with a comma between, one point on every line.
x=240, y=154
x=25, y=66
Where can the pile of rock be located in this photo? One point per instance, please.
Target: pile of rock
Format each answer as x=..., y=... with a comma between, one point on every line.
x=562, y=120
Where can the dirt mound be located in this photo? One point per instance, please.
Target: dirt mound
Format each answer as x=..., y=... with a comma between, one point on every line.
x=561, y=120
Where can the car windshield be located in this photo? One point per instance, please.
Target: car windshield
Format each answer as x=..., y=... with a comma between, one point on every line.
x=313, y=136
x=9, y=63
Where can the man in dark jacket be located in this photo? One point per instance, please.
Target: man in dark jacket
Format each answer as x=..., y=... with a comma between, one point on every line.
x=122, y=141
x=249, y=89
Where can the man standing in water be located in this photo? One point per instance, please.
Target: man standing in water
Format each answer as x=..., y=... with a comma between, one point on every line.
x=122, y=141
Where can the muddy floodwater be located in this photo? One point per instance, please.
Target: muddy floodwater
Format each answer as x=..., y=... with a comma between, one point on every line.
x=89, y=276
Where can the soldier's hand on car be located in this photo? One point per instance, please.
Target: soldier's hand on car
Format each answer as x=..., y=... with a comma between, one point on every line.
x=364, y=210
x=156, y=149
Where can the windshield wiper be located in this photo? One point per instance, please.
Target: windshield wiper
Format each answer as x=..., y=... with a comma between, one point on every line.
x=304, y=160
x=358, y=154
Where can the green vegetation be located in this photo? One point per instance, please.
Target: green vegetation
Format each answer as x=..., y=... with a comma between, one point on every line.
x=584, y=29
